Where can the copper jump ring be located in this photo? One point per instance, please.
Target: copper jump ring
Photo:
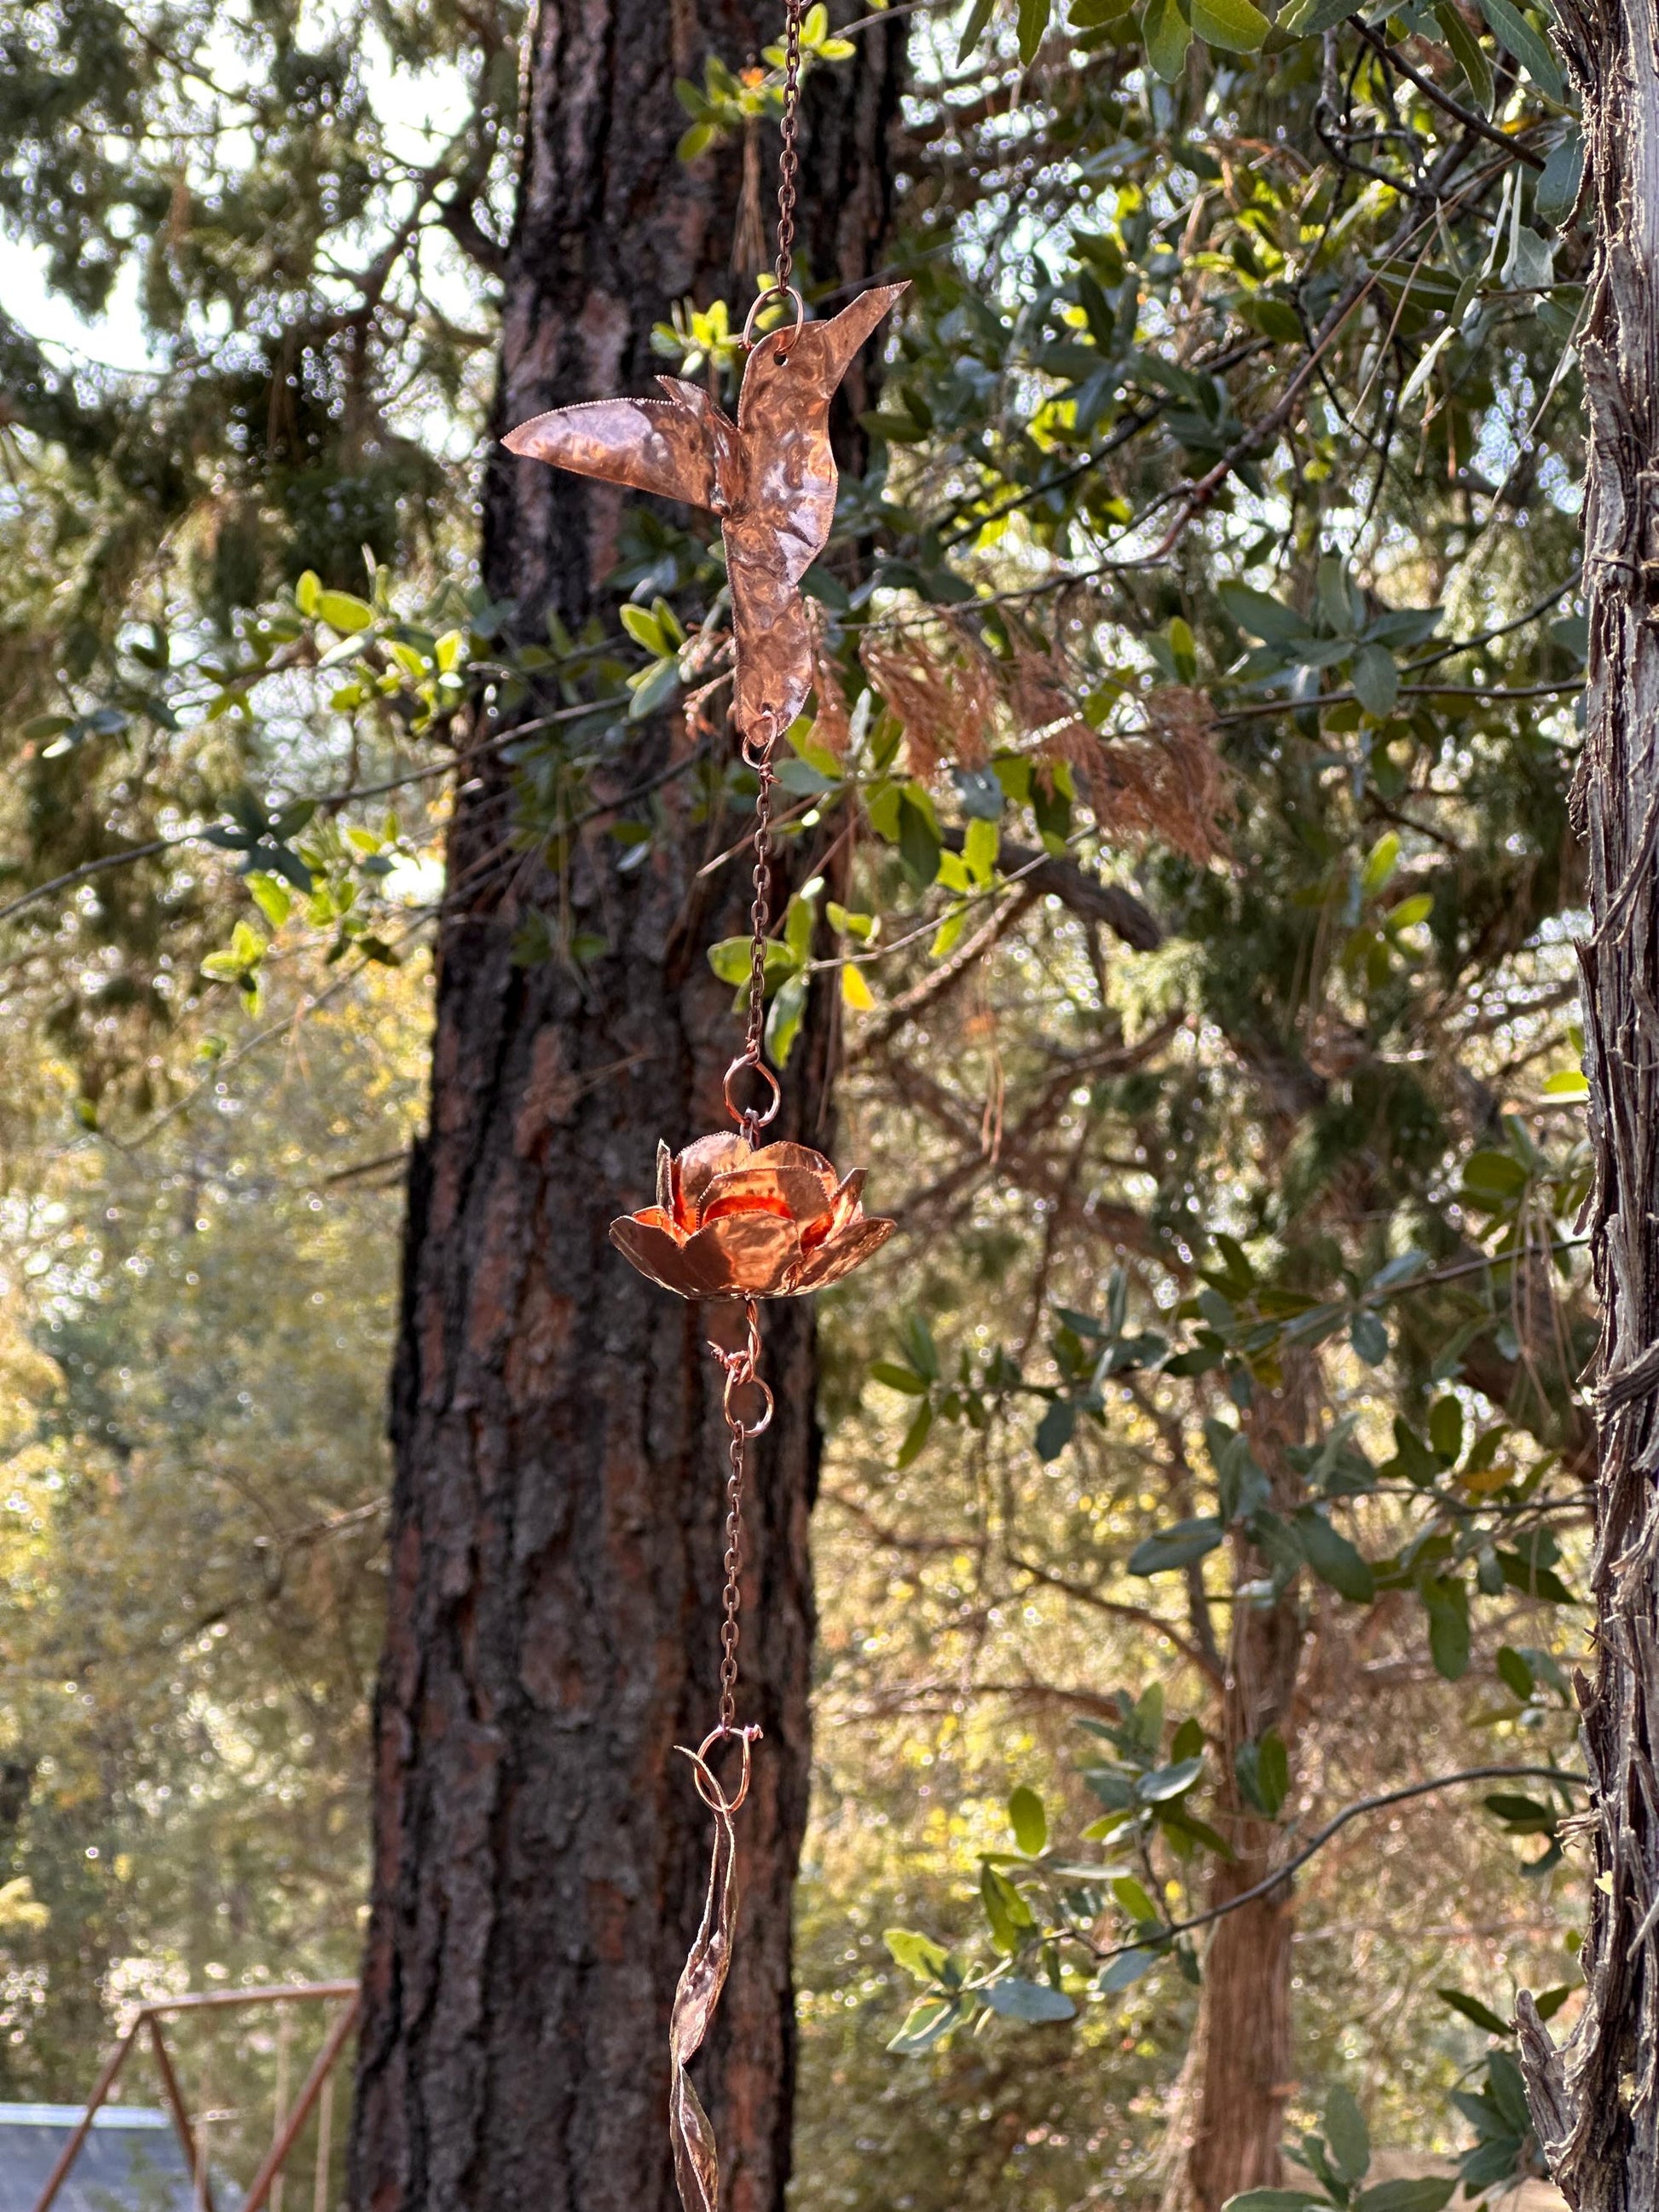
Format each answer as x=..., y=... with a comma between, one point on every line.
x=765, y=299
x=736, y=1379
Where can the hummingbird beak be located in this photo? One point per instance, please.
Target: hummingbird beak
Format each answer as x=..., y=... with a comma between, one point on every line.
x=847, y=332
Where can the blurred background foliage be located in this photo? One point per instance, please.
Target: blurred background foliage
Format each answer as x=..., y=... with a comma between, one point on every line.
x=1191, y=771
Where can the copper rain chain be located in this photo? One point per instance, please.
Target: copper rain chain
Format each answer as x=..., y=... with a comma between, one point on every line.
x=736, y=1217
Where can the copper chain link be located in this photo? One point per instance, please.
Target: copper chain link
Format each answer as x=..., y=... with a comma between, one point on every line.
x=742, y=1367
x=742, y=1371
x=789, y=160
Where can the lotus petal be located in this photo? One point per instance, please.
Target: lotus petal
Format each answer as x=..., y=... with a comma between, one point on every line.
x=696, y=1168
x=840, y=1255
x=655, y=1252
x=743, y=1255
x=796, y=1193
x=783, y=1154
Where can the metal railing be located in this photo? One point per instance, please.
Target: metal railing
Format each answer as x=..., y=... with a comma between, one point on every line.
x=289, y=2119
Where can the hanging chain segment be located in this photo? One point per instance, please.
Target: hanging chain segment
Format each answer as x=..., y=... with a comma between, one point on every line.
x=742, y=1371
x=789, y=160
x=781, y=287
x=751, y=1120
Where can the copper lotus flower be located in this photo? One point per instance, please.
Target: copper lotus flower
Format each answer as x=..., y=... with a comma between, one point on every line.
x=732, y=1220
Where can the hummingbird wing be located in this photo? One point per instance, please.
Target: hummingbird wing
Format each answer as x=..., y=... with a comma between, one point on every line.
x=682, y=448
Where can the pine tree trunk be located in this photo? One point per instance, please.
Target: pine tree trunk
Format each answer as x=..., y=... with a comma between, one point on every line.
x=539, y=1852
x=1596, y=2102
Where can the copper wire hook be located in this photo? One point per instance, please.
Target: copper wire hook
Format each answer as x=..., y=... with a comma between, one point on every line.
x=745, y=1114
x=703, y=1775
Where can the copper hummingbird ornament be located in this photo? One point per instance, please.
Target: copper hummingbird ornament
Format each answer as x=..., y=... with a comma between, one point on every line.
x=736, y=1217
x=771, y=477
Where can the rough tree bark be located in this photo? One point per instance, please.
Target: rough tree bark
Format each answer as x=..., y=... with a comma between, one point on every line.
x=1244, y=2030
x=540, y=1854
x=1596, y=2102
x=1244, y=2024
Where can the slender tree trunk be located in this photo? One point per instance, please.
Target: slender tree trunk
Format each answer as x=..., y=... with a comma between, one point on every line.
x=1245, y=2018
x=1244, y=2030
x=1596, y=2102
x=540, y=1854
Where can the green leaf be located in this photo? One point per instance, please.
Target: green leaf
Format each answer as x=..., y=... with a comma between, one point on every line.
x=1233, y=24
x=1523, y=1816
x=1467, y=51
x=1054, y=1430
x=1168, y=35
x=862, y=926
x=1128, y=1966
x=1308, y=19
x=1516, y=1673
x=1180, y=1546
x=308, y=592
x=1333, y=1558
x=930, y=2019
x=1007, y=1914
x=1028, y=1820
x=1167, y=1781
x=274, y=900
x=1446, y=1428
x=918, y=1954
x=1508, y=2090
x=1426, y=2196
x=644, y=629
x=1346, y=2134
x=1380, y=862
x=343, y=612
x=730, y=960
x=981, y=16
x=898, y=1378
x=1512, y=30
x=1033, y=2002
x=1183, y=650
x=916, y=1435
x=1273, y=2200
x=1558, y=188
x=1377, y=680
x=918, y=842
x=1472, y=2009
x=1448, y=1604
x=949, y=933
x=1369, y=1337
x=1133, y=1898
x=920, y=1347
x=1263, y=1770
x=784, y=1018
x=651, y=688
x=1033, y=27
x=980, y=847
x=1259, y=616
x=1494, y=1174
